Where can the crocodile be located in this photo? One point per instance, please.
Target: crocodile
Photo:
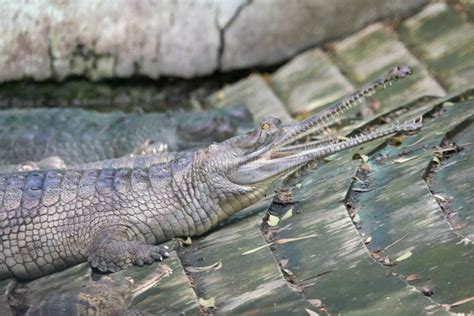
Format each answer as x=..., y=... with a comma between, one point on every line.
x=79, y=136
x=127, y=161
x=106, y=296
x=116, y=217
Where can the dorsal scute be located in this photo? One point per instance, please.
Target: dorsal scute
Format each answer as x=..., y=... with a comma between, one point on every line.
x=122, y=180
x=52, y=188
x=33, y=190
x=105, y=182
x=139, y=179
x=70, y=185
x=87, y=184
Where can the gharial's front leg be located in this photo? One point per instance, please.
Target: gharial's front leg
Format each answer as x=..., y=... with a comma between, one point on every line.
x=114, y=250
x=150, y=147
x=51, y=162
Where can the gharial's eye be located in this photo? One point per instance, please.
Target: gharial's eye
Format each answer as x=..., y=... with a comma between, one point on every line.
x=265, y=126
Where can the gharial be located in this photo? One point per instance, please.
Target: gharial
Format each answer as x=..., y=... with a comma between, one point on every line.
x=79, y=136
x=116, y=217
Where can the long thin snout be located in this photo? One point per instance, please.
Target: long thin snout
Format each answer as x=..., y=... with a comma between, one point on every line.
x=320, y=121
x=286, y=161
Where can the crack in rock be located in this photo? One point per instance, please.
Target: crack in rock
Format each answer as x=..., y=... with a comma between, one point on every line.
x=223, y=28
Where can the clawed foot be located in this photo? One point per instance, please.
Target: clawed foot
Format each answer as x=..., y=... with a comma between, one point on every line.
x=117, y=255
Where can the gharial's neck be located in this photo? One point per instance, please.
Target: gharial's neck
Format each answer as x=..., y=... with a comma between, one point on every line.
x=210, y=197
x=237, y=202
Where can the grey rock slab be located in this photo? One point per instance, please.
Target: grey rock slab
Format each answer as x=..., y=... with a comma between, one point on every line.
x=309, y=82
x=336, y=267
x=374, y=50
x=32, y=293
x=172, y=296
x=268, y=31
x=254, y=92
x=51, y=39
x=229, y=11
x=243, y=284
x=443, y=39
x=452, y=181
x=404, y=220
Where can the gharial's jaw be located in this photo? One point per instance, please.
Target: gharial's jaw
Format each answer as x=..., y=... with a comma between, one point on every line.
x=319, y=121
x=278, y=158
x=284, y=161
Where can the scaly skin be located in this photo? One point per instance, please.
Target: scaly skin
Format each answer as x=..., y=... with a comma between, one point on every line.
x=115, y=217
x=103, y=297
x=129, y=161
x=79, y=136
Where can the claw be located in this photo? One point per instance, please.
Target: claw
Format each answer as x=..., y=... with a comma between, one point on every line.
x=94, y=262
x=103, y=267
x=148, y=261
x=113, y=268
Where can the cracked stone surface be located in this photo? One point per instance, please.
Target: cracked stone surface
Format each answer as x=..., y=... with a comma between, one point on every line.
x=49, y=39
x=153, y=299
x=53, y=39
x=310, y=81
x=262, y=288
x=253, y=92
x=401, y=220
x=397, y=212
x=270, y=31
x=443, y=38
x=376, y=47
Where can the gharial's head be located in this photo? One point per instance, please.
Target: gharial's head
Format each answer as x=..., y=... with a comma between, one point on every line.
x=252, y=162
x=199, y=129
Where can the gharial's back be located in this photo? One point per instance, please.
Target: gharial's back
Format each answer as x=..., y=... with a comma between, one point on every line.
x=80, y=136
